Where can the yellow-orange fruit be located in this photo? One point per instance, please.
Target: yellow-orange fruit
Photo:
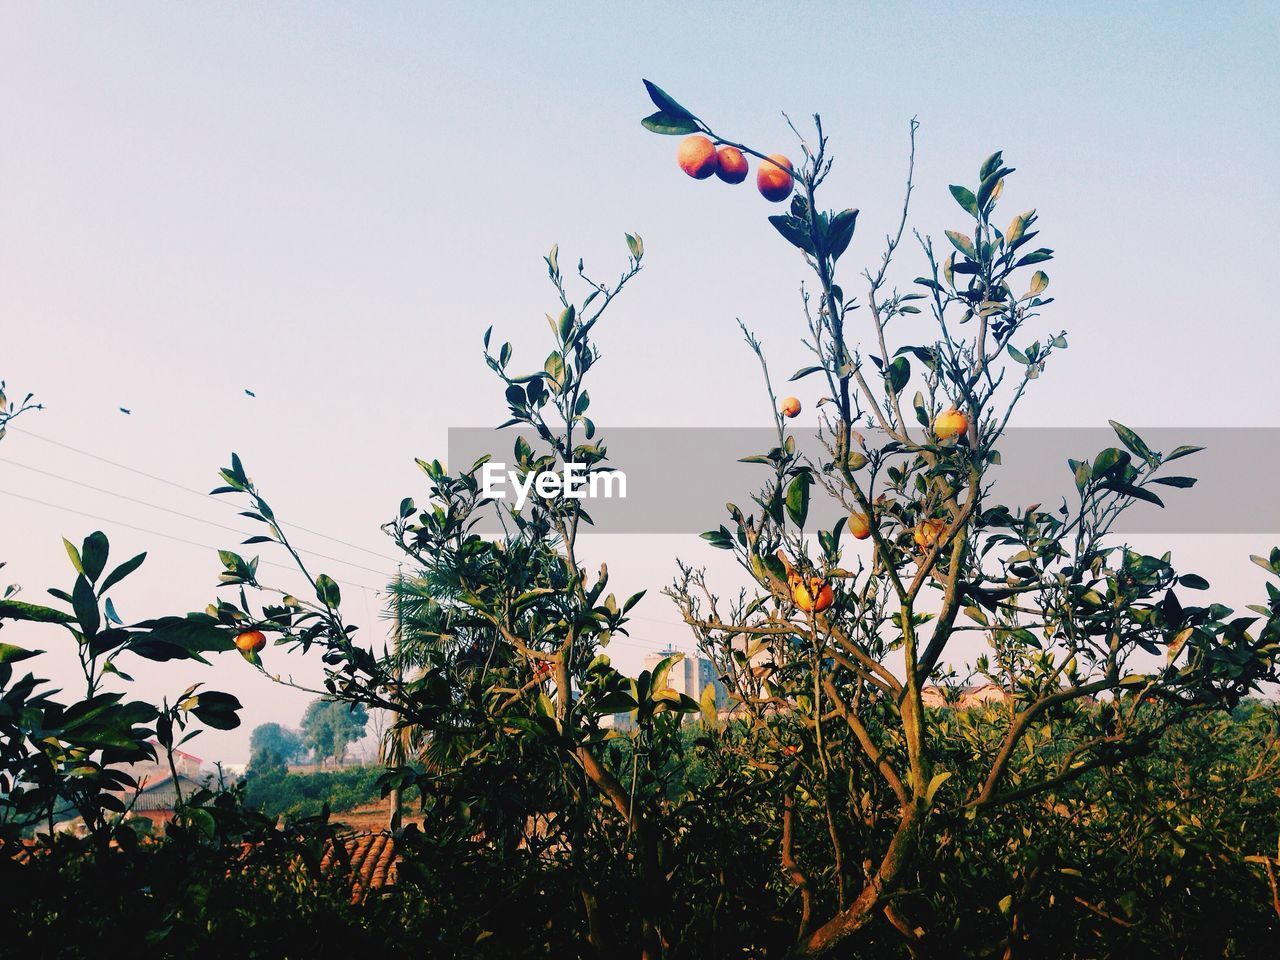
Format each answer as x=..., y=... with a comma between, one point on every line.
x=791, y=407
x=251, y=641
x=859, y=526
x=950, y=423
x=731, y=165
x=697, y=156
x=814, y=594
x=927, y=533
x=773, y=180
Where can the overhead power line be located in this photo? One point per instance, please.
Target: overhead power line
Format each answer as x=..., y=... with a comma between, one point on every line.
x=179, y=513
x=157, y=533
x=204, y=495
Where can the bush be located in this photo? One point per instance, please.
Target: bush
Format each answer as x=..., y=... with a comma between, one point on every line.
x=294, y=795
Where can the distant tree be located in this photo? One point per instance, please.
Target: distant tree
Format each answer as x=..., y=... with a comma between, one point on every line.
x=329, y=727
x=273, y=747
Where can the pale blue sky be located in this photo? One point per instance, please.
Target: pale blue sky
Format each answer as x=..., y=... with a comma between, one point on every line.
x=328, y=203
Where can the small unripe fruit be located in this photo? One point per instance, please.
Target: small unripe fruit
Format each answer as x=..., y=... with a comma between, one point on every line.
x=697, y=156
x=731, y=165
x=773, y=180
x=950, y=423
x=791, y=407
x=251, y=641
x=859, y=526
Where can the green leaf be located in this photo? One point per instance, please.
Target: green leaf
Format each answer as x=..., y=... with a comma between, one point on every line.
x=327, y=591
x=669, y=125
x=795, y=231
x=963, y=244
x=554, y=367
x=34, y=613
x=1110, y=460
x=720, y=539
x=93, y=555
x=798, y=499
x=989, y=183
x=11, y=654
x=217, y=710
x=616, y=701
x=1035, y=256
x=991, y=163
x=566, y=321
x=898, y=375
x=840, y=232
x=804, y=372
x=664, y=101
x=74, y=554
x=120, y=572
x=1132, y=441
x=707, y=703
x=1176, y=481
x=964, y=196
x=1137, y=493
x=85, y=604
x=1183, y=451
x=938, y=780
x=658, y=679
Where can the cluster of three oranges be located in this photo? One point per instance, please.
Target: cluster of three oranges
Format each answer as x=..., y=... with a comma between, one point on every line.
x=700, y=159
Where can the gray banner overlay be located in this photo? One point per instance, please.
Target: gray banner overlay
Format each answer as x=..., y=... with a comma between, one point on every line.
x=678, y=479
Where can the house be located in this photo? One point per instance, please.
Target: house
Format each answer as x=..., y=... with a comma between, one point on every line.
x=367, y=862
x=157, y=792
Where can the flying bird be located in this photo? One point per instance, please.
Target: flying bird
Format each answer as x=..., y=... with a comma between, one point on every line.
x=126, y=412
x=250, y=392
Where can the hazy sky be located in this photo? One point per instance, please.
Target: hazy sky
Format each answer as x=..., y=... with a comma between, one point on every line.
x=328, y=203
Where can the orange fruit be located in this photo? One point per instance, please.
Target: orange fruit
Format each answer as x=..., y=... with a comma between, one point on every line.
x=859, y=526
x=773, y=180
x=731, y=165
x=950, y=423
x=814, y=594
x=791, y=407
x=697, y=156
x=251, y=641
x=927, y=533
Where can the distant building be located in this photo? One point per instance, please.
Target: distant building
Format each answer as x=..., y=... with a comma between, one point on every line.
x=157, y=792
x=689, y=676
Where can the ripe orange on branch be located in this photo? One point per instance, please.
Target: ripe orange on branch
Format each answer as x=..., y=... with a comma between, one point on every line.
x=950, y=423
x=731, y=165
x=859, y=526
x=813, y=594
x=697, y=156
x=791, y=407
x=928, y=532
x=773, y=178
x=251, y=641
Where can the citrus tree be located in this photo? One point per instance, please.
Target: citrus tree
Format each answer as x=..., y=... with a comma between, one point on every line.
x=1097, y=649
x=64, y=757
x=497, y=680
x=839, y=798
